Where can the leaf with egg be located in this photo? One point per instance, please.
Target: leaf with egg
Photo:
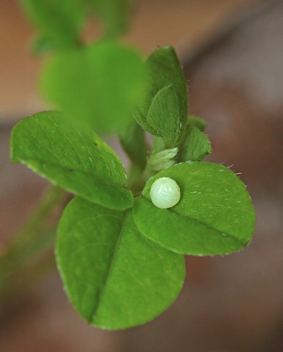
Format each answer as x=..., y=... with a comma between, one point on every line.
x=215, y=214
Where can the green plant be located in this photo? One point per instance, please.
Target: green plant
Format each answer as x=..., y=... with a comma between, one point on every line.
x=121, y=258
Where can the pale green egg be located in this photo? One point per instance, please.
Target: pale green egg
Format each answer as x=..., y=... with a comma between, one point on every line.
x=165, y=193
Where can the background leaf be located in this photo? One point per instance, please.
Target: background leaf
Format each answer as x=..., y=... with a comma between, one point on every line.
x=165, y=108
x=114, y=13
x=195, y=145
x=100, y=84
x=114, y=277
x=76, y=160
x=214, y=216
x=59, y=21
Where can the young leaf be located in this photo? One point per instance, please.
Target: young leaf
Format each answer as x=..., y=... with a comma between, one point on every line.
x=132, y=139
x=195, y=145
x=214, y=216
x=100, y=84
x=114, y=277
x=59, y=21
x=114, y=13
x=76, y=160
x=161, y=160
x=165, y=108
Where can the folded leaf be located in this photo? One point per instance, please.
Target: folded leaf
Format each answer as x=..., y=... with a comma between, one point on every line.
x=114, y=277
x=214, y=216
x=76, y=160
x=195, y=145
x=161, y=160
x=165, y=108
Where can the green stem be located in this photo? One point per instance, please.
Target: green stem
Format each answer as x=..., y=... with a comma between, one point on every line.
x=33, y=228
x=23, y=277
x=30, y=246
x=137, y=186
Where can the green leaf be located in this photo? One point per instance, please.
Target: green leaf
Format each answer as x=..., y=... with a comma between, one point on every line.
x=132, y=139
x=214, y=216
x=195, y=146
x=114, y=13
x=165, y=108
x=196, y=122
x=76, y=160
x=60, y=21
x=114, y=277
x=100, y=84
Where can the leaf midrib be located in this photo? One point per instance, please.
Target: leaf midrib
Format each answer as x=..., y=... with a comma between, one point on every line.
x=208, y=226
x=69, y=169
x=111, y=266
x=215, y=229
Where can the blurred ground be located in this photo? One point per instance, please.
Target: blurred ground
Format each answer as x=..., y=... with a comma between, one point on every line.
x=231, y=303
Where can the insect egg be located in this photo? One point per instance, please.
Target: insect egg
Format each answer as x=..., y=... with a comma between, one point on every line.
x=165, y=193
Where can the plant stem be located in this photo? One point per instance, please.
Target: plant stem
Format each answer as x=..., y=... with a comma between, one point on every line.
x=33, y=228
x=137, y=186
x=25, y=276
x=21, y=262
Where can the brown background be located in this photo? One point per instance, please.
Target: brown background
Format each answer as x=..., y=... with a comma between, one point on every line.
x=233, y=59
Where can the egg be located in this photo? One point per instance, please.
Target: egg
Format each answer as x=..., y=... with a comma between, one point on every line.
x=165, y=193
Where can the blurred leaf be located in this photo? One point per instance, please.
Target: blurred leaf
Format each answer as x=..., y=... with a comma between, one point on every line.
x=214, y=216
x=165, y=108
x=76, y=160
x=114, y=277
x=59, y=21
x=100, y=84
x=195, y=146
x=114, y=13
